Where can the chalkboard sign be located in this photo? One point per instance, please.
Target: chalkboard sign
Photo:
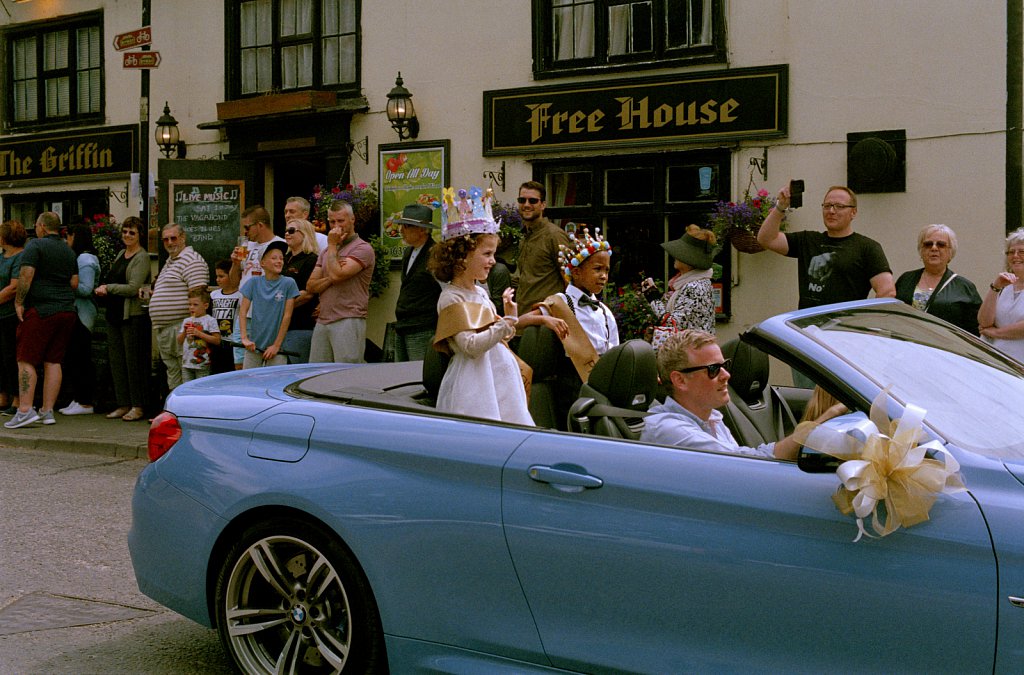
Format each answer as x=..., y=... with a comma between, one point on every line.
x=211, y=213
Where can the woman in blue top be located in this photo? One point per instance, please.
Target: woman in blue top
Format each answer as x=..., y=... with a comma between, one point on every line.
x=78, y=366
x=12, y=239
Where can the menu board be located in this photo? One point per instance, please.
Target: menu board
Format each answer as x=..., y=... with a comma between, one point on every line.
x=210, y=211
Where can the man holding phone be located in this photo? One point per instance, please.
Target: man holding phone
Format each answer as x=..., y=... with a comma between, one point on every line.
x=836, y=265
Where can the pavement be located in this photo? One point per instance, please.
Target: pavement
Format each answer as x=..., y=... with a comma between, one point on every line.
x=88, y=434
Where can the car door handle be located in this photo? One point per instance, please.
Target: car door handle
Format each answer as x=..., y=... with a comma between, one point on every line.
x=567, y=477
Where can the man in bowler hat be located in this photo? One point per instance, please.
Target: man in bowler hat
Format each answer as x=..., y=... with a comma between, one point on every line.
x=416, y=311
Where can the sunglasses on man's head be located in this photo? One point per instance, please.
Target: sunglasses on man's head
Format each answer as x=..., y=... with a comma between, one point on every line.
x=532, y=200
x=713, y=368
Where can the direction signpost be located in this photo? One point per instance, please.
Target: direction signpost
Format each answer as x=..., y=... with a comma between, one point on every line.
x=141, y=59
x=134, y=38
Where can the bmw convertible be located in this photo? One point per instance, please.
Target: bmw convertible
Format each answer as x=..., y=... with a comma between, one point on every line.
x=326, y=518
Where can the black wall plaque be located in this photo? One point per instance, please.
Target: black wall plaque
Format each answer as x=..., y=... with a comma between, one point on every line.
x=727, y=104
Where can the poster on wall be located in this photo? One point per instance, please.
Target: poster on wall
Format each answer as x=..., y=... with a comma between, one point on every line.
x=211, y=213
x=410, y=173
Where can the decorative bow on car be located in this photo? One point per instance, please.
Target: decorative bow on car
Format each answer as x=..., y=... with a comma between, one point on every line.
x=885, y=471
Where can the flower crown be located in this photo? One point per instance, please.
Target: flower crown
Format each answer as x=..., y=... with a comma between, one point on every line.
x=466, y=212
x=581, y=246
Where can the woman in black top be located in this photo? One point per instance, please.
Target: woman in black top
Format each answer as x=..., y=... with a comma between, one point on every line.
x=935, y=288
x=299, y=262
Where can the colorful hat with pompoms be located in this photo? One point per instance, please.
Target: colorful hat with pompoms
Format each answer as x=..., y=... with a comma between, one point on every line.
x=581, y=246
x=466, y=212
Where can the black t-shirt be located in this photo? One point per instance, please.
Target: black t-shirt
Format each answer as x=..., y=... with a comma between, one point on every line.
x=299, y=267
x=54, y=263
x=835, y=269
x=118, y=274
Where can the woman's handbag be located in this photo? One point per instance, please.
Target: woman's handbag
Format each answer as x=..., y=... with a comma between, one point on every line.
x=667, y=327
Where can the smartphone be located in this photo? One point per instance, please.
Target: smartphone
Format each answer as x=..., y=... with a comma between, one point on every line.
x=796, y=194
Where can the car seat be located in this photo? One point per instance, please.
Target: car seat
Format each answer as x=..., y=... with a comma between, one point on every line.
x=435, y=364
x=754, y=413
x=624, y=381
x=555, y=382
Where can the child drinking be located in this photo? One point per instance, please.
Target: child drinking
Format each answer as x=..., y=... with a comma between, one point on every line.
x=483, y=378
x=198, y=331
x=272, y=299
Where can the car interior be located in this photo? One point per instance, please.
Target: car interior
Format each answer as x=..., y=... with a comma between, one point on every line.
x=613, y=402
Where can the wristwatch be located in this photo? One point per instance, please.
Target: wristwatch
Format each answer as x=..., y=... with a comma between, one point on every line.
x=994, y=288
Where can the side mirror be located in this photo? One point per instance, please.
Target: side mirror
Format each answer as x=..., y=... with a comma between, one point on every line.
x=812, y=461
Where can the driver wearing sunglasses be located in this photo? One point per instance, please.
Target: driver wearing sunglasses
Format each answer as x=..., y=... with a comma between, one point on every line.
x=692, y=362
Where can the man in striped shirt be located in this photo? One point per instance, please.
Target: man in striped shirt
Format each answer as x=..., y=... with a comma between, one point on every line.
x=184, y=270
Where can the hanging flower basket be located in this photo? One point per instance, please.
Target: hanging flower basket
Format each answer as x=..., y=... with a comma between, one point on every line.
x=744, y=241
x=739, y=221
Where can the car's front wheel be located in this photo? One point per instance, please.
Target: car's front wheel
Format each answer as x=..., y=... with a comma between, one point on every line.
x=291, y=599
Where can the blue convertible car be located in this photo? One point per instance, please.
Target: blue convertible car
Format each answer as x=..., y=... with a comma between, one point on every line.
x=326, y=518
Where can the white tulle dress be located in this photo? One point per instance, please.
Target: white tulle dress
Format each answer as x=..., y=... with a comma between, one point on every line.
x=483, y=378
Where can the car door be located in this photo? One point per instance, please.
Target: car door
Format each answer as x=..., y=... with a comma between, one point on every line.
x=653, y=559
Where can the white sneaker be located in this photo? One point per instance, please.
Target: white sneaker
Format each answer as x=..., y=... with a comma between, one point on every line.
x=77, y=409
x=47, y=417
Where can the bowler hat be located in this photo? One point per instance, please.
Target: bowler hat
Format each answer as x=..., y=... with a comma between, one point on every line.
x=418, y=215
x=690, y=250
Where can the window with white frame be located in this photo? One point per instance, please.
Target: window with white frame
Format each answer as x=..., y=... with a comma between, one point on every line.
x=286, y=45
x=582, y=34
x=55, y=72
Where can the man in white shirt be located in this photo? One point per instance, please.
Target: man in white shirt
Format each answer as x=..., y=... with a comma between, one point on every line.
x=260, y=231
x=692, y=362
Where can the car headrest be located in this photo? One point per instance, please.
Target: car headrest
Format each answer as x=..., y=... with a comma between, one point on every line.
x=749, y=372
x=435, y=364
x=627, y=375
x=541, y=349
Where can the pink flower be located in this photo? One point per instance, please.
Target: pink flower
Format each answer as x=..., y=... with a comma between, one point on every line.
x=762, y=193
x=361, y=186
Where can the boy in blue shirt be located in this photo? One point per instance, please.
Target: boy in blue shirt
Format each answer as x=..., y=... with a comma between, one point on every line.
x=272, y=299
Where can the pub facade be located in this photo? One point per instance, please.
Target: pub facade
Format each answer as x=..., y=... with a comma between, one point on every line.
x=637, y=115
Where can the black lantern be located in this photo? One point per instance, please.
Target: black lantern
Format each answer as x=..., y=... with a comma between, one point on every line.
x=167, y=135
x=401, y=114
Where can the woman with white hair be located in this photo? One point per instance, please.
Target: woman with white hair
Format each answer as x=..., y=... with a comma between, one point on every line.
x=1001, y=316
x=937, y=289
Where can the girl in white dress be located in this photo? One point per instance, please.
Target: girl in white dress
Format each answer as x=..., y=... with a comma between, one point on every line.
x=483, y=378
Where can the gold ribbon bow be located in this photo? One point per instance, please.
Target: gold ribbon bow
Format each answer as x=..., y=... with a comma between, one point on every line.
x=884, y=465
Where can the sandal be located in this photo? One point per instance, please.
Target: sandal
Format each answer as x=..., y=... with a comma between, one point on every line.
x=134, y=414
x=120, y=412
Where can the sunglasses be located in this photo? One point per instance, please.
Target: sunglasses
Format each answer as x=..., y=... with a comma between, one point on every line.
x=291, y=230
x=935, y=244
x=713, y=368
x=131, y=232
x=531, y=200
x=170, y=239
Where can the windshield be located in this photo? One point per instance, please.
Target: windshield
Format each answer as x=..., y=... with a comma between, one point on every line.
x=973, y=396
